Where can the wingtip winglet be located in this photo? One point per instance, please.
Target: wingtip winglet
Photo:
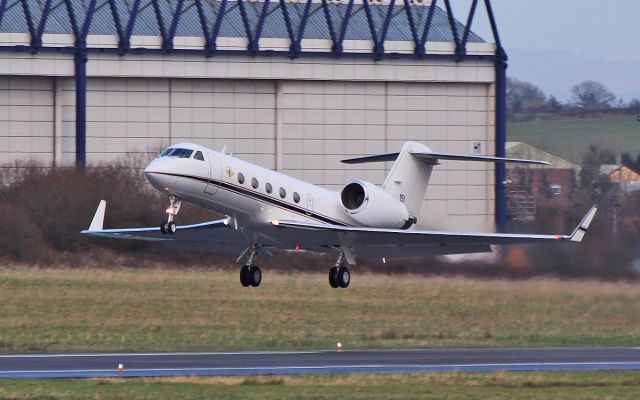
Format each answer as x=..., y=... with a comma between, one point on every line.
x=581, y=230
x=98, y=219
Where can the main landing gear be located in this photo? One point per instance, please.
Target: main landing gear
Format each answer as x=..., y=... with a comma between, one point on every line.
x=339, y=275
x=250, y=274
x=168, y=226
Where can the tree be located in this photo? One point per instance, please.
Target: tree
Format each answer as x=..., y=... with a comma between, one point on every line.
x=553, y=104
x=592, y=95
x=591, y=162
x=630, y=161
x=544, y=186
x=524, y=96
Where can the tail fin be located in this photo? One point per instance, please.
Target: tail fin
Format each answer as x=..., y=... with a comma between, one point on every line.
x=409, y=176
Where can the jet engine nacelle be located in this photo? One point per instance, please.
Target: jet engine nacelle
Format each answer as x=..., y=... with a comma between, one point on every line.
x=371, y=206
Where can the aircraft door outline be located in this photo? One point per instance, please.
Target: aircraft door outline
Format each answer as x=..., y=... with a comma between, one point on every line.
x=309, y=209
x=215, y=174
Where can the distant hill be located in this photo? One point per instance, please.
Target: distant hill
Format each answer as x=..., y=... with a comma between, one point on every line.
x=556, y=71
x=571, y=139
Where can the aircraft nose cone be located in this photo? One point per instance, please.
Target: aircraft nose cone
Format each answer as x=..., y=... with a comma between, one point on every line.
x=157, y=175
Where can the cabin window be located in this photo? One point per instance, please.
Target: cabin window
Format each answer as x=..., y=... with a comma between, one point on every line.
x=199, y=156
x=296, y=197
x=283, y=193
x=268, y=187
x=254, y=183
x=240, y=178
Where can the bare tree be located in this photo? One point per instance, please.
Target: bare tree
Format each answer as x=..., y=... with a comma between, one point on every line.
x=592, y=95
x=524, y=96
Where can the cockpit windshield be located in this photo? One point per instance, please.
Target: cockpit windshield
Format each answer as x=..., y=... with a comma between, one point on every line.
x=173, y=152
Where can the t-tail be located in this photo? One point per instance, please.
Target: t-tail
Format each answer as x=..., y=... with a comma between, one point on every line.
x=409, y=176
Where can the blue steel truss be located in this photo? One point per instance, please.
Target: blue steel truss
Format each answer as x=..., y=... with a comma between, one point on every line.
x=399, y=20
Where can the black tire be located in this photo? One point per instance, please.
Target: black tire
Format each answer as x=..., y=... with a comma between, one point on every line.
x=333, y=275
x=244, y=276
x=344, y=277
x=171, y=227
x=255, y=276
x=163, y=228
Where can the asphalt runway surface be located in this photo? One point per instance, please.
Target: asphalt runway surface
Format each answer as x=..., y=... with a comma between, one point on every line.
x=85, y=365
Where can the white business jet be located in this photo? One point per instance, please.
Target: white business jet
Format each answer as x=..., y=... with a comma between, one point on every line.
x=268, y=210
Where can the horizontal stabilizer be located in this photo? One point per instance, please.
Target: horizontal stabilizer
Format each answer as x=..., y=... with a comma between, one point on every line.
x=374, y=158
x=464, y=157
x=434, y=157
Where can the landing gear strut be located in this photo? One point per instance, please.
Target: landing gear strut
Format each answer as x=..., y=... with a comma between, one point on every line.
x=168, y=226
x=339, y=275
x=250, y=274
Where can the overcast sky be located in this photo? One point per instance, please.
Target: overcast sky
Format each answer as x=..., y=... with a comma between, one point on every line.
x=593, y=28
x=556, y=44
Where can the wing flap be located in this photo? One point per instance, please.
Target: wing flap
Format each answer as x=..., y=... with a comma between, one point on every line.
x=375, y=242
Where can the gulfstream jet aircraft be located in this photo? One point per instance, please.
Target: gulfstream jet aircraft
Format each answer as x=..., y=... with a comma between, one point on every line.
x=268, y=210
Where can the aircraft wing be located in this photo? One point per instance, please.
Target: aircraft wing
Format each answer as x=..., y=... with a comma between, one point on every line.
x=369, y=243
x=217, y=236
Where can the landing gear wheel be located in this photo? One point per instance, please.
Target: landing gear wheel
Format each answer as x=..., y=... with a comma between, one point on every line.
x=171, y=227
x=255, y=275
x=333, y=274
x=244, y=276
x=343, y=277
x=163, y=228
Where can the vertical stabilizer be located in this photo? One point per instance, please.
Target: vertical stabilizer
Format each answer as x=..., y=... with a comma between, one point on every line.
x=409, y=177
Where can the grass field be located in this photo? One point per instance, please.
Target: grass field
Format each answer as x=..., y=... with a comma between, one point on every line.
x=125, y=309
x=450, y=385
x=138, y=310
x=570, y=139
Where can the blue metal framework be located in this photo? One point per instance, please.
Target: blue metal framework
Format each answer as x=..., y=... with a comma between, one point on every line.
x=211, y=19
x=284, y=18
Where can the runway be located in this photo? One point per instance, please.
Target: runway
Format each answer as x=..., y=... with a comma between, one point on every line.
x=85, y=365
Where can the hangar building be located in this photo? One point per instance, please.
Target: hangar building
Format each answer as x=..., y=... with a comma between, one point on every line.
x=293, y=85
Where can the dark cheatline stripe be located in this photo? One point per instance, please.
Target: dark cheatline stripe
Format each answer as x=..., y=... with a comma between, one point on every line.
x=261, y=197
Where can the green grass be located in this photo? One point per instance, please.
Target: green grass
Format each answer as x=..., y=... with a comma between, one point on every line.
x=570, y=139
x=450, y=385
x=139, y=310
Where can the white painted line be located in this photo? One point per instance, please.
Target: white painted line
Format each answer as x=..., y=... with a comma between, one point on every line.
x=343, y=367
x=63, y=355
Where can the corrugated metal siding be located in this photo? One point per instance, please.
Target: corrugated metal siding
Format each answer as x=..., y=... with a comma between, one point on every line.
x=146, y=23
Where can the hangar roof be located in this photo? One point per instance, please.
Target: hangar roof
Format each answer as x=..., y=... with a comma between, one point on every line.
x=232, y=25
x=411, y=23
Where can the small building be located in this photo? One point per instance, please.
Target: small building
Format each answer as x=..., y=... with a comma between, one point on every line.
x=527, y=184
x=628, y=179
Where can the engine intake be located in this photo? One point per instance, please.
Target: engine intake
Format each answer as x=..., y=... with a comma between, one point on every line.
x=353, y=196
x=371, y=206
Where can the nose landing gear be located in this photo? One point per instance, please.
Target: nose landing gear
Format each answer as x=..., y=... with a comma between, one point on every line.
x=168, y=226
x=339, y=275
